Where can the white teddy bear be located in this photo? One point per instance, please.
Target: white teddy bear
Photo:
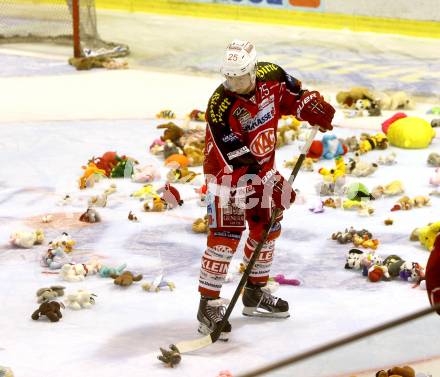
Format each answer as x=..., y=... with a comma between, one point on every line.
x=27, y=239
x=77, y=272
x=81, y=299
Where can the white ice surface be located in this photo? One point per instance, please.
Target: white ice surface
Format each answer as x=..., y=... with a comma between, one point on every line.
x=47, y=132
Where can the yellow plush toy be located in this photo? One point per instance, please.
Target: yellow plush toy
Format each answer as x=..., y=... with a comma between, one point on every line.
x=91, y=175
x=336, y=173
x=408, y=132
x=428, y=233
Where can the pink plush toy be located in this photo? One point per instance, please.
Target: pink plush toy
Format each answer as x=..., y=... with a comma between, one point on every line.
x=435, y=179
x=280, y=279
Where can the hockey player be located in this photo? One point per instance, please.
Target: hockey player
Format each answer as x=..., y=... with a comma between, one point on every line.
x=243, y=183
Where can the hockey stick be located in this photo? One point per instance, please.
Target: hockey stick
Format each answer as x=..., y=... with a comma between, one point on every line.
x=195, y=344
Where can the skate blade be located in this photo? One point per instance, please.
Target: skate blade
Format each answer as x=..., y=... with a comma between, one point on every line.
x=256, y=312
x=205, y=330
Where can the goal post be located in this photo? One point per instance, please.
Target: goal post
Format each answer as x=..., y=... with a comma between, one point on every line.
x=68, y=22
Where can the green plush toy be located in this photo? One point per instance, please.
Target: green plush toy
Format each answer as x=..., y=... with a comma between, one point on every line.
x=410, y=133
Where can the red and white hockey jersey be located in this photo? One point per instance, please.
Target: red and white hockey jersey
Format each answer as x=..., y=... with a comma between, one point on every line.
x=241, y=131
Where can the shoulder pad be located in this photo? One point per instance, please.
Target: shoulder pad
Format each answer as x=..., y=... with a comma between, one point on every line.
x=219, y=106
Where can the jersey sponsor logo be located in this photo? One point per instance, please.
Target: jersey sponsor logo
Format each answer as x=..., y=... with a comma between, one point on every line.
x=265, y=69
x=265, y=114
x=238, y=152
x=229, y=138
x=263, y=143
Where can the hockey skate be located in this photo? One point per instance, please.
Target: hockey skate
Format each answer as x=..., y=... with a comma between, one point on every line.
x=210, y=314
x=259, y=302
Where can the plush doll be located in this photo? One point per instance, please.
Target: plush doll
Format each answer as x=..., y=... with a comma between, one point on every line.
x=51, y=309
x=171, y=132
x=6, y=372
x=27, y=239
x=408, y=132
x=91, y=175
x=336, y=173
x=435, y=178
x=171, y=149
x=195, y=155
x=157, y=147
x=348, y=235
x=97, y=200
x=369, y=142
x=176, y=161
x=434, y=159
x=347, y=99
x=106, y=271
x=405, y=371
x=78, y=271
x=125, y=279
x=166, y=114
x=110, y=189
x=200, y=225
x=48, y=294
x=351, y=143
x=280, y=279
x=197, y=115
x=421, y=201
x=132, y=217
x=360, y=168
x=65, y=241
x=404, y=203
x=394, y=101
x=329, y=148
x=145, y=174
x=357, y=191
x=182, y=175
x=428, y=233
x=287, y=131
x=54, y=258
x=106, y=162
x=90, y=216
x=409, y=271
x=390, y=189
x=170, y=357
x=354, y=259
x=158, y=283
x=156, y=205
x=82, y=299
x=124, y=168
x=146, y=192
x=307, y=164
x=432, y=275
x=170, y=195
x=389, y=159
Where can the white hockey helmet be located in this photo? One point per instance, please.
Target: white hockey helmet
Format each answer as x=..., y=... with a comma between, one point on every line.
x=240, y=66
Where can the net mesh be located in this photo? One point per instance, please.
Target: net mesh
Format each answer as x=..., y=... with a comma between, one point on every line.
x=50, y=21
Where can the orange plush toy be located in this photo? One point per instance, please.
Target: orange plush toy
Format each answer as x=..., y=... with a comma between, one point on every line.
x=432, y=274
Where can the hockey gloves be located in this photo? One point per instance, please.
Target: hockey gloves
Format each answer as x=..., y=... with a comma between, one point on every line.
x=314, y=109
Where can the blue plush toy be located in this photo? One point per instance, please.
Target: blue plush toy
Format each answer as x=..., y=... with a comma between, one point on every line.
x=332, y=147
x=106, y=272
x=329, y=148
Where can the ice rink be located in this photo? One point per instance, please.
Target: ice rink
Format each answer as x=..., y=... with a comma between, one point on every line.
x=53, y=119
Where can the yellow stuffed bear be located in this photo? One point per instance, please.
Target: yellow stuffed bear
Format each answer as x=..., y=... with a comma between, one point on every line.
x=428, y=233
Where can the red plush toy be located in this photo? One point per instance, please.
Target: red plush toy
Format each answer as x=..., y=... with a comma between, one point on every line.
x=432, y=274
x=171, y=196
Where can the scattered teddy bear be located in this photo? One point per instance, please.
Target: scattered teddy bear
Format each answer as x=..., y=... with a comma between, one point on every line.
x=434, y=159
x=27, y=239
x=78, y=271
x=200, y=225
x=47, y=294
x=125, y=279
x=51, y=310
x=90, y=216
x=171, y=132
x=405, y=371
x=80, y=300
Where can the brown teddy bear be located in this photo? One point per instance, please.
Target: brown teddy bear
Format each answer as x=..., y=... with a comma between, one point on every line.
x=171, y=132
x=405, y=371
x=51, y=310
x=125, y=279
x=348, y=99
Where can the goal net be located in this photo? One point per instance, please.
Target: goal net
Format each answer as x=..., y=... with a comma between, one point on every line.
x=54, y=21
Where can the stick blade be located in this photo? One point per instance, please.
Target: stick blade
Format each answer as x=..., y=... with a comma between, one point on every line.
x=194, y=344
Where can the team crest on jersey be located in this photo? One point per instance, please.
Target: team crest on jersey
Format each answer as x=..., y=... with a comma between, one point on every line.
x=263, y=143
